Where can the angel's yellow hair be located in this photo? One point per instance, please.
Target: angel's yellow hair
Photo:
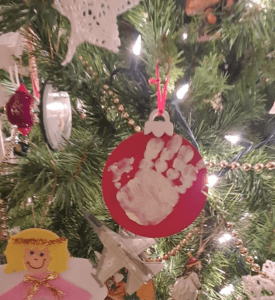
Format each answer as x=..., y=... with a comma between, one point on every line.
x=15, y=250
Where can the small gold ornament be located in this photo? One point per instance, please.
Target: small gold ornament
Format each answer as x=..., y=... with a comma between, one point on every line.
x=131, y=122
x=121, y=108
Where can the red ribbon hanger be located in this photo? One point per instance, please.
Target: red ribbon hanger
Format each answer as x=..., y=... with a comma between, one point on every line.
x=161, y=97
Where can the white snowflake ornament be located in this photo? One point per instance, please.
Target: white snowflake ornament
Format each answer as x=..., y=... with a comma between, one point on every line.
x=94, y=21
x=255, y=285
x=269, y=269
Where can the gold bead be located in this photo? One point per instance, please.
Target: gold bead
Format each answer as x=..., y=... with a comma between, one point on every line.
x=235, y=165
x=80, y=57
x=246, y=167
x=183, y=242
x=131, y=122
x=125, y=115
x=238, y=243
x=120, y=108
x=258, y=167
x=249, y=259
x=229, y=225
x=234, y=233
x=178, y=247
x=210, y=164
x=84, y=63
x=173, y=252
x=150, y=259
x=196, y=229
x=116, y=100
x=255, y=267
x=158, y=259
x=223, y=164
x=105, y=87
x=263, y=274
x=243, y=251
x=270, y=165
x=110, y=93
x=137, y=129
x=189, y=235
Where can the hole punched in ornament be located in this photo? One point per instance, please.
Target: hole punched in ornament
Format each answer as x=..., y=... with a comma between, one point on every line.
x=158, y=127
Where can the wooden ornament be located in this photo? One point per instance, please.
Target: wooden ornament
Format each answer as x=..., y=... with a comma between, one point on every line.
x=39, y=267
x=2, y=236
x=145, y=292
x=194, y=7
x=211, y=18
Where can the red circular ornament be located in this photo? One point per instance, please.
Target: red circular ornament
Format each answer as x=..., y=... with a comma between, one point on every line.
x=153, y=186
x=19, y=110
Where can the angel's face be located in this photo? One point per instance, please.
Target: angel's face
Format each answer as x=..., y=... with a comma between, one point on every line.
x=37, y=261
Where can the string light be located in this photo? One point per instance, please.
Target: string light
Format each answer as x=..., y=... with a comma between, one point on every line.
x=182, y=91
x=137, y=46
x=225, y=238
x=227, y=290
x=212, y=180
x=184, y=36
x=232, y=138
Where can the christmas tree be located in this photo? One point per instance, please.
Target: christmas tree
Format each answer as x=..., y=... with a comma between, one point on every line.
x=220, y=58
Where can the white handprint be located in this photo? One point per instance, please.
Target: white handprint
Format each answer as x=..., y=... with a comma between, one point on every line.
x=151, y=195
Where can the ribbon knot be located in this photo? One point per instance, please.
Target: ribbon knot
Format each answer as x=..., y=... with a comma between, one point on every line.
x=161, y=97
x=37, y=283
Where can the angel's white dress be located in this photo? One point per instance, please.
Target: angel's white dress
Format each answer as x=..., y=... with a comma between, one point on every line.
x=186, y=288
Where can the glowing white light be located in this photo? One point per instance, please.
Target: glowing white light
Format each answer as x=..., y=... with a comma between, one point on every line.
x=59, y=95
x=137, y=46
x=225, y=238
x=253, y=2
x=182, y=91
x=232, y=138
x=57, y=106
x=29, y=200
x=184, y=36
x=212, y=180
x=227, y=290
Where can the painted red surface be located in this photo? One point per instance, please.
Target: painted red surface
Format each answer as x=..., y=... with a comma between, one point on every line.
x=185, y=211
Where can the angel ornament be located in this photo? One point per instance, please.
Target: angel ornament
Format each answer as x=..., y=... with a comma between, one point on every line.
x=257, y=286
x=186, y=288
x=39, y=267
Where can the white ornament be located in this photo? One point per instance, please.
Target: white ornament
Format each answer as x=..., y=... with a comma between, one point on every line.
x=14, y=41
x=269, y=269
x=186, y=288
x=159, y=128
x=254, y=285
x=93, y=21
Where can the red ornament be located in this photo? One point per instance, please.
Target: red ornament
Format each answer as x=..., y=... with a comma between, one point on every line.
x=153, y=186
x=19, y=110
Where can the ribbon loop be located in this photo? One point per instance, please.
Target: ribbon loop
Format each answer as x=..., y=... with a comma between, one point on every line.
x=161, y=97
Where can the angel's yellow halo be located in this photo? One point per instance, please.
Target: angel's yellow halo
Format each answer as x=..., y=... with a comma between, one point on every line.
x=36, y=238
